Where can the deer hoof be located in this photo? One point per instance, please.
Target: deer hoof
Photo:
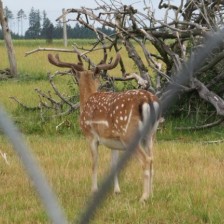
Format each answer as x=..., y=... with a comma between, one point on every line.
x=94, y=190
x=144, y=198
x=117, y=191
x=116, y=188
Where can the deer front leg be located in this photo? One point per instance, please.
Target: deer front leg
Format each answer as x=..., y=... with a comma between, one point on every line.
x=114, y=160
x=94, y=152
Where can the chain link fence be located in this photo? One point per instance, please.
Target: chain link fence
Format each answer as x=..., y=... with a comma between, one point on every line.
x=47, y=196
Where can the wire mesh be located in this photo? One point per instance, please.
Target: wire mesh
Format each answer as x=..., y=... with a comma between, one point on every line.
x=34, y=171
x=53, y=209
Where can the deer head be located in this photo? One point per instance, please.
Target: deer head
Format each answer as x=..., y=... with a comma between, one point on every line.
x=88, y=80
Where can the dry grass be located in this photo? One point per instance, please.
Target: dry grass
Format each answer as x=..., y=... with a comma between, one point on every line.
x=188, y=186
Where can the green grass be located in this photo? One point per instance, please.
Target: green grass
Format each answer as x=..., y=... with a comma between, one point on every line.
x=38, y=65
x=188, y=183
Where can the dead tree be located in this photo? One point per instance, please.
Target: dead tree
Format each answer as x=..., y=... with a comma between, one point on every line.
x=8, y=42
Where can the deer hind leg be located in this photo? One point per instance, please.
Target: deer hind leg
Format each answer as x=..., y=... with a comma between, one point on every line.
x=146, y=157
x=114, y=160
x=94, y=152
x=151, y=171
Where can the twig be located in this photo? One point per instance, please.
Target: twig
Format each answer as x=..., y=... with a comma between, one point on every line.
x=58, y=93
x=4, y=156
x=54, y=102
x=23, y=105
x=48, y=49
x=69, y=111
x=85, y=58
x=213, y=142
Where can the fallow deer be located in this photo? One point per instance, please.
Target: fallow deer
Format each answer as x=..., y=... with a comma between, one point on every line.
x=111, y=119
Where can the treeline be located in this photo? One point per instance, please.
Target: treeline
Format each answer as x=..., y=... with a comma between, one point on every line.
x=40, y=27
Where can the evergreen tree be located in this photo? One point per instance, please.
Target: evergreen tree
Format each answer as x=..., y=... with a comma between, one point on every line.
x=20, y=18
x=34, y=29
x=58, y=31
x=48, y=28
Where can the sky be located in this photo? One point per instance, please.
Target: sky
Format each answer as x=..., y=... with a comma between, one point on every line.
x=54, y=8
x=57, y=5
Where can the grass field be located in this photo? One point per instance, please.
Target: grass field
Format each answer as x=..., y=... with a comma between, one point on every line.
x=188, y=186
x=37, y=64
x=188, y=183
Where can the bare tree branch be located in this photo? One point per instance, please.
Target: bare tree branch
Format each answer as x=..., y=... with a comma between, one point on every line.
x=213, y=124
x=209, y=96
x=48, y=49
x=25, y=106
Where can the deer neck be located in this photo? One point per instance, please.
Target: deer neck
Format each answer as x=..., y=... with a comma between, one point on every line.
x=87, y=86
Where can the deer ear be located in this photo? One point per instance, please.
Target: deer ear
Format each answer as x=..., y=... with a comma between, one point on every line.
x=76, y=73
x=96, y=73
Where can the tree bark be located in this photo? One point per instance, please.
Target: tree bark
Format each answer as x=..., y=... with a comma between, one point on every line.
x=8, y=42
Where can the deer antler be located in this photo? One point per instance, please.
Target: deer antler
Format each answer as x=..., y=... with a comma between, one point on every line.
x=109, y=66
x=57, y=62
